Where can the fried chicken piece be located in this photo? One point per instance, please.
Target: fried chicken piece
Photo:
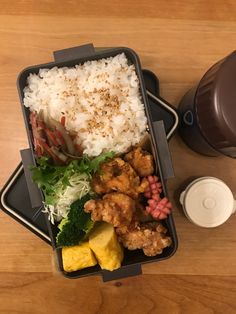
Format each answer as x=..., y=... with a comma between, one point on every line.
x=118, y=175
x=141, y=161
x=150, y=237
x=115, y=208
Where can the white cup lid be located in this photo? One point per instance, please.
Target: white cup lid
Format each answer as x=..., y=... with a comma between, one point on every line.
x=208, y=202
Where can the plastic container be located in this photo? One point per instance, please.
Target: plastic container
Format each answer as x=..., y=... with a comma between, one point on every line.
x=17, y=198
x=133, y=259
x=208, y=111
x=208, y=202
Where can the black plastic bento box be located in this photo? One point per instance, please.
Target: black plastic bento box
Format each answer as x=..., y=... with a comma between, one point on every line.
x=132, y=259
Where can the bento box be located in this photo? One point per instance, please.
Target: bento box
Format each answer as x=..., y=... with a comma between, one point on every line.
x=132, y=261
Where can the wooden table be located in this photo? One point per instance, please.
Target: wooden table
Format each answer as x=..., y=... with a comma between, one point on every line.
x=179, y=41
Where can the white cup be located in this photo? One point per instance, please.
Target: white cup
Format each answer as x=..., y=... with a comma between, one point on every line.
x=208, y=202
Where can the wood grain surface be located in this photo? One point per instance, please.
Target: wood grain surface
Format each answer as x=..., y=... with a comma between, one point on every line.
x=178, y=40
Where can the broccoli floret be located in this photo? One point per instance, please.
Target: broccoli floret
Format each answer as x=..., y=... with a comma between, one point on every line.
x=75, y=227
x=62, y=223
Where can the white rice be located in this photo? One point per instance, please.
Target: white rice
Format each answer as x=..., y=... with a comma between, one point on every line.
x=100, y=100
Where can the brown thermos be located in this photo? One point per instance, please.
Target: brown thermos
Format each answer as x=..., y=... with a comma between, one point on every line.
x=208, y=111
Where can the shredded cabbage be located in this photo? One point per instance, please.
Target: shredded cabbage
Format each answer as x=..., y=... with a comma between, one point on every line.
x=78, y=187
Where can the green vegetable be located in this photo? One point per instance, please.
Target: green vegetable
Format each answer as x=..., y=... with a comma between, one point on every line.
x=76, y=226
x=62, y=223
x=91, y=166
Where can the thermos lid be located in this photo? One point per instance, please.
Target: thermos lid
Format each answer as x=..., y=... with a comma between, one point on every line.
x=215, y=104
x=207, y=202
